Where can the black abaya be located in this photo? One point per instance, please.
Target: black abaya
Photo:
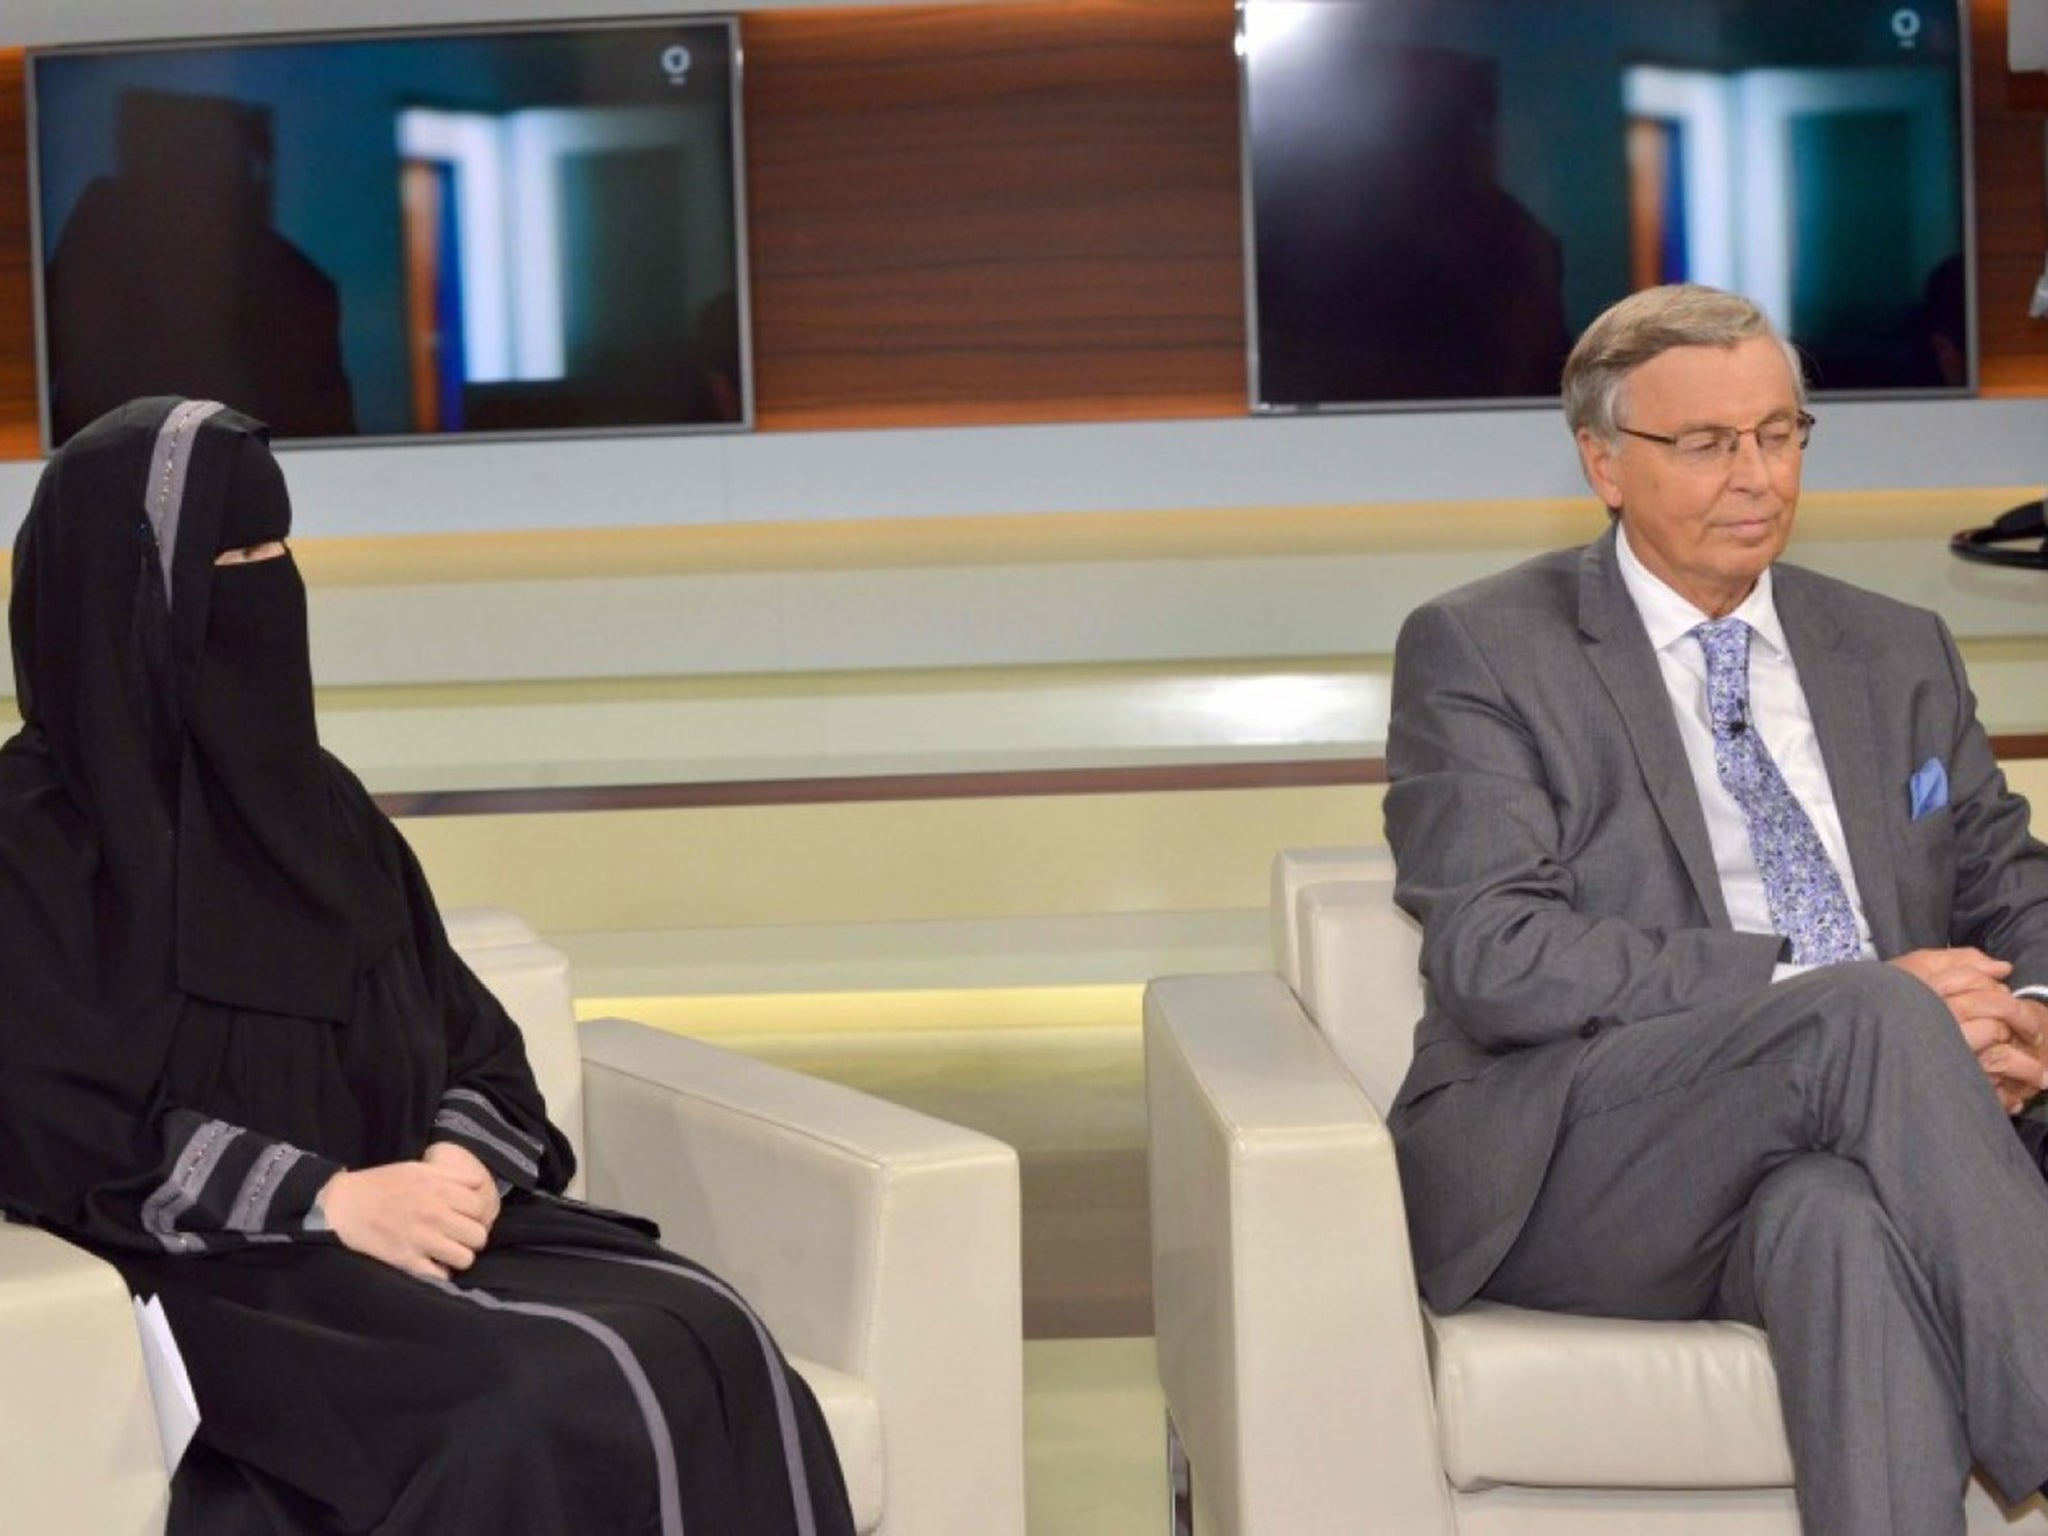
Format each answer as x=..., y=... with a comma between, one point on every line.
x=223, y=981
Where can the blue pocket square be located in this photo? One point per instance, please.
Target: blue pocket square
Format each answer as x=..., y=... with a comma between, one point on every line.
x=1928, y=788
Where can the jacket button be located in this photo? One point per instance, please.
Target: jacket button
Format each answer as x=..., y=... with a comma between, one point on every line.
x=1589, y=1029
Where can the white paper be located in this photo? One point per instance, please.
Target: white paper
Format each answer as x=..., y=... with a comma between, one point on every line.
x=170, y=1388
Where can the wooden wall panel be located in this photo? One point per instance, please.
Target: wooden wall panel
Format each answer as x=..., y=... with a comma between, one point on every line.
x=2009, y=118
x=995, y=213
x=1031, y=212
x=18, y=433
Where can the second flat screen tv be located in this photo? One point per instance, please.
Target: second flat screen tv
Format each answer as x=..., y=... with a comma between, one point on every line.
x=1442, y=193
x=534, y=230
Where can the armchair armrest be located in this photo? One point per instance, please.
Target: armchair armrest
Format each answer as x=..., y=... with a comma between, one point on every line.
x=872, y=1239
x=1290, y=1335
x=78, y=1439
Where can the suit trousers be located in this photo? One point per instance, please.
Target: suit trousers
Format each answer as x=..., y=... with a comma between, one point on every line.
x=1828, y=1161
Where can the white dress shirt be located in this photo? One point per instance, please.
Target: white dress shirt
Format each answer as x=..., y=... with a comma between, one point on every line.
x=1777, y=708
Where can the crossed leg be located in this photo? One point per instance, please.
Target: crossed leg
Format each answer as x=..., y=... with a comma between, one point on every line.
x=1825, y=1159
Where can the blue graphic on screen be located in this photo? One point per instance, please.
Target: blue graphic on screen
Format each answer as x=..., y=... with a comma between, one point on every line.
x=1442, y=193
x=393, y=236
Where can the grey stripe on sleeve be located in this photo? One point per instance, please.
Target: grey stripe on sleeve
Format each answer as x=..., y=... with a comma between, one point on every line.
x=462, y=1125
x=251, y=1210
x=497, y=1115
x=636, y=1379
x=190, y=1170
x=792, y=1446
x=164, y=492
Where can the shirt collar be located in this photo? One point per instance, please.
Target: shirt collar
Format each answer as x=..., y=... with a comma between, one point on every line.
x=1669, y=618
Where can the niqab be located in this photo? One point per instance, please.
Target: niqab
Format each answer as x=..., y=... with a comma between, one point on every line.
x=172, y=700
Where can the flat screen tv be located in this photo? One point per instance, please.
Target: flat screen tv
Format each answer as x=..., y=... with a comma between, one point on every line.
x=522, y=230
x=1442, y=193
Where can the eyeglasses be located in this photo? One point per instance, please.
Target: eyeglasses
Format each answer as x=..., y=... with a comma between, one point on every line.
x=1777, y=437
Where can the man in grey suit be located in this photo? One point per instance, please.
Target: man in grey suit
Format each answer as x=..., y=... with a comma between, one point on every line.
x=1729, y=925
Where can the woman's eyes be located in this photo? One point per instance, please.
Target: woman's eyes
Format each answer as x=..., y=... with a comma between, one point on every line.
x=251, y=553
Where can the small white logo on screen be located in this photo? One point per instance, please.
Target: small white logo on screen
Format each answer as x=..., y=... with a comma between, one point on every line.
x=675, y=63
x=1906, y=26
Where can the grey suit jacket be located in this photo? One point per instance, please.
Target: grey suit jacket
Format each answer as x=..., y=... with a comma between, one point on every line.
x=1548, y=836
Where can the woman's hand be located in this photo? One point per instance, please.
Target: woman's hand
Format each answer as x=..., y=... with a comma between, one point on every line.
x=468, y=1167
x=423, y=1219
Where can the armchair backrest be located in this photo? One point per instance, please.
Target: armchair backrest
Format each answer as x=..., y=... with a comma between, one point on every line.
x=531, y=978
x=1351, y=957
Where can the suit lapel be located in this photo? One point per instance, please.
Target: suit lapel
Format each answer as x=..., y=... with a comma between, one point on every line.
x=1837, y=690
x=1618, y=649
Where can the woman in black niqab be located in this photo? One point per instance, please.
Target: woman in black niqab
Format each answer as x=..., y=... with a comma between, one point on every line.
x=239, y=1060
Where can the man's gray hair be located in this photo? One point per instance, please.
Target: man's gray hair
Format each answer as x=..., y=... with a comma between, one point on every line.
x=1645, y=325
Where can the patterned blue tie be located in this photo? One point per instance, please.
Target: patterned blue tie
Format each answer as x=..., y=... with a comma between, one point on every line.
x=1807, y=901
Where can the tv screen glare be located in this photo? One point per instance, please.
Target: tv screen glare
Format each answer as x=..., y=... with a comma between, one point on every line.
x=1441, y=194
x=532, y=230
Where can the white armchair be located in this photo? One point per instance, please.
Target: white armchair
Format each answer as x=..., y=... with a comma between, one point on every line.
x=880, y=1245
x=1309, y=1391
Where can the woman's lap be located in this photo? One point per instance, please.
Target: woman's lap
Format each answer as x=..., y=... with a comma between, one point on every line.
x=617, y=1388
